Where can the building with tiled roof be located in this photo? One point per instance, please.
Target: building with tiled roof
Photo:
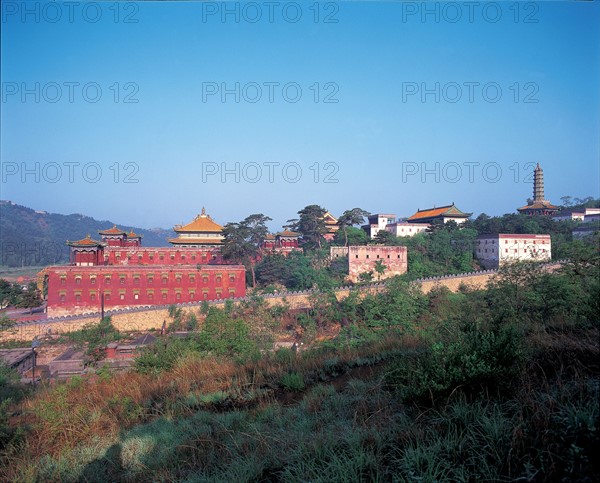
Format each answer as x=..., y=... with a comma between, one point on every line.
x=283, y=242
x=538, y=206
x=113, y=237
x=116, y=237
x=443, y=213
x=118, y=273
x=86, y=252
x=88, y=241
x=112, y=231
x=332, y=226
x=201, y=232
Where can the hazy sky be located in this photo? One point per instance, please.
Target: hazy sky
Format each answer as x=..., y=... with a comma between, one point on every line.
x=266, y=107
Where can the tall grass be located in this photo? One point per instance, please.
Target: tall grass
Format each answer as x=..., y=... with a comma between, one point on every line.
x=455, y=392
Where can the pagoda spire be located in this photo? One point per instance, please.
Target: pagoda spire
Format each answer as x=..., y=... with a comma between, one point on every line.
x=538, y=184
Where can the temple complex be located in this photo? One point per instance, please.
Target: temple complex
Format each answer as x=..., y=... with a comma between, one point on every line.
x=117, y=272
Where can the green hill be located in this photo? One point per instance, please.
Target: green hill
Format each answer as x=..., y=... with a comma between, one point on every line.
x=34, y=238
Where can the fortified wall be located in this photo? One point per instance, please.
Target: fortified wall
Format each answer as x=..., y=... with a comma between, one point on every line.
x=145, y=318
x=365, y=259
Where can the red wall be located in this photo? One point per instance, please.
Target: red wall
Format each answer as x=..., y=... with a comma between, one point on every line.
x=170, y=256
x=71, y=288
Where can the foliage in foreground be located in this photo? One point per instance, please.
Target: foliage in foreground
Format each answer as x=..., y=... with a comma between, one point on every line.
x=451, y=389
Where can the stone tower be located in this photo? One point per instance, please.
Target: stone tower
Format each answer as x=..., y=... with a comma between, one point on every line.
x=538, y=184
x=538, y=206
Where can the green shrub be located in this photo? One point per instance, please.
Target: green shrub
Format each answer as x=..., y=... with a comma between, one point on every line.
x=10, y=392
x=284, y=356
x=204, y=307
x=292, y=381
x=223, y=336
x=476, y=360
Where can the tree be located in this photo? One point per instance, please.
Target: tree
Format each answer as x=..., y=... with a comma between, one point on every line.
x=6, y=293
x=311, y=225
x=10, y=294
x=567, y=201
x=30, y=298
x=355, y=216
x=384, y=237
x=354, y=236
x=379, y=269
x=242, y=241
x=365, y=277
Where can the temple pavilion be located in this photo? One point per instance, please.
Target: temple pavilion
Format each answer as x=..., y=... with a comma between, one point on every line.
x=201, y=232
x=444, y=213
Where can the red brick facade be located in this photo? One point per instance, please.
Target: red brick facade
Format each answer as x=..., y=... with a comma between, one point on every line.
x=161, y=256
x=73, y=289
x=119, y=273
x=364, y=259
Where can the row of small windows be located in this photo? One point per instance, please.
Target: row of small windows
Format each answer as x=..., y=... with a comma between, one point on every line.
x=140, y=256
x=149, y=279
x=515, y=250
x=493, y=242
x=367, y=256
x=149, y=296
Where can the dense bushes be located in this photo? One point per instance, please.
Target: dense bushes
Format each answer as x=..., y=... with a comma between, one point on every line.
x=494, y=385
x=219, y=336
x=11, y=392
x=477, y=360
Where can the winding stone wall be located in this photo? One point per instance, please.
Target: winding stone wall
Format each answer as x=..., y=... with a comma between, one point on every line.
x=144, y=318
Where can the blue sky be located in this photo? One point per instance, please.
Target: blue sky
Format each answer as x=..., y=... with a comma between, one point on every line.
x=430, y=109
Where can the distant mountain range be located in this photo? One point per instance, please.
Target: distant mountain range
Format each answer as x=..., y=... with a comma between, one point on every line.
x=35, y=238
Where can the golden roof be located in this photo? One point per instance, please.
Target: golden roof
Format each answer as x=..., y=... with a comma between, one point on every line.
x=329, y=219
x=203, y=223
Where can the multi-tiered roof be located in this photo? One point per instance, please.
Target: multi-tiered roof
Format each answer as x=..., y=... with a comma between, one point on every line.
x=201, y=232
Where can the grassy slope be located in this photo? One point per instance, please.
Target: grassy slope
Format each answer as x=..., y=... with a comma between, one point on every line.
x=213, y=420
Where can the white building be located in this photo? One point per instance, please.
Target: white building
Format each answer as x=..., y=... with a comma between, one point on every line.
x=569, y=215
x=404, y=228
x=493, y=251
x=378, y=222
x=388, y=223
x=591, y=214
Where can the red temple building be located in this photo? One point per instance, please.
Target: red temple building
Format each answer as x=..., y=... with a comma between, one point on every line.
x=117, y=272
x=332, y=225
x=282, y=242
